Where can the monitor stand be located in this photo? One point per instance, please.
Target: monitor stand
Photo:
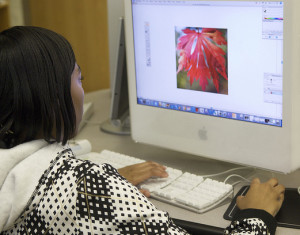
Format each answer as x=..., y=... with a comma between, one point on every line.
x=116, y=127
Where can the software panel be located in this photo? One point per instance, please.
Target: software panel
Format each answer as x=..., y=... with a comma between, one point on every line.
x=218, y=79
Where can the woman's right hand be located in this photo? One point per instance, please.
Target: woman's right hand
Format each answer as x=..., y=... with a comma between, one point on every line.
x=266, y=196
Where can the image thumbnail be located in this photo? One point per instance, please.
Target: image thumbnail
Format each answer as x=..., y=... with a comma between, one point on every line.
x=201, y=59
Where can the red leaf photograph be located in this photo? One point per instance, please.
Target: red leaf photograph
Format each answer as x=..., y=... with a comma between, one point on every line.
x=201, y=56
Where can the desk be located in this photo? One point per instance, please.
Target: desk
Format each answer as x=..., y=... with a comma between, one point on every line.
x=185, y=162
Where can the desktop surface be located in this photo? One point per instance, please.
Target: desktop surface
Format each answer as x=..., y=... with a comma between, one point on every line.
x=185, y=162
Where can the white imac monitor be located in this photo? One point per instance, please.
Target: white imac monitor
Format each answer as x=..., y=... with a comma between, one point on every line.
x=119, y=121
x=218, y=79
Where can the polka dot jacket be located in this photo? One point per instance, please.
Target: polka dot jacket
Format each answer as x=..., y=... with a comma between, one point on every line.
x=79, y=197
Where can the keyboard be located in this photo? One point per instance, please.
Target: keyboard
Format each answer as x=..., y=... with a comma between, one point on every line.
x=182, y=189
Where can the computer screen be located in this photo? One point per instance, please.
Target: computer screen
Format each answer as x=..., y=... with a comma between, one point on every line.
x=216, y=78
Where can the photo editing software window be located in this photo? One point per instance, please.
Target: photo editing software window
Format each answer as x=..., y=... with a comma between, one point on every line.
x=216, y=58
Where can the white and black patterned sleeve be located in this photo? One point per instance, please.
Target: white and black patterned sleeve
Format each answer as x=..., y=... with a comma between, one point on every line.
x=252, y=222
x=108, y=204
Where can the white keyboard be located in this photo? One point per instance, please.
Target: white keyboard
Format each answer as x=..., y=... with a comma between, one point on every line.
x=181, y=189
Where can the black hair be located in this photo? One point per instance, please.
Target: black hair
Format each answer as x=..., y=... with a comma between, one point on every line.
x=36, y=65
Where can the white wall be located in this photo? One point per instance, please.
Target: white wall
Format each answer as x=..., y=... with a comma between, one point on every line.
x=115, y=11
x=16, y=12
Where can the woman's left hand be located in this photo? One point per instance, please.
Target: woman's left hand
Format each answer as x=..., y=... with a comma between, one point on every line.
x=140, y=172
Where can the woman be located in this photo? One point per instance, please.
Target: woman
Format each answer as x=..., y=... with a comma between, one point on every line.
x=44, y=188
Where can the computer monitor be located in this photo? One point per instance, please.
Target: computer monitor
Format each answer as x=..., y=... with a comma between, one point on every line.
x=217, y=79
x=119, y=123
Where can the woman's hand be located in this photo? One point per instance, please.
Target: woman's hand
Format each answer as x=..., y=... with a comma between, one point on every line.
x=266, y=196
x=140, y=172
